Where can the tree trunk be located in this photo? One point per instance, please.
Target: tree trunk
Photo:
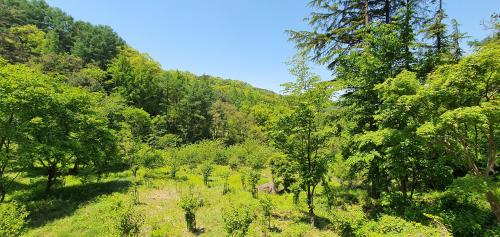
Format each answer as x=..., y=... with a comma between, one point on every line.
x=3, y=139
x=75, y=169
x=404, y=186
x=413, y=182
x=310, y=204
x=367, y=18
x=490, y=167
x=374, y=174
x=439, y=33
x=387, y=11
x=2, y=193
x=51, y=177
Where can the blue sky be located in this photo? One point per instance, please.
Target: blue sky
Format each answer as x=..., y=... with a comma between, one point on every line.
x=237, y=39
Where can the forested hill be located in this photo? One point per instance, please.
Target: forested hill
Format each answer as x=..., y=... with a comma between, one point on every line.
x=96, y=59
x=97, y=139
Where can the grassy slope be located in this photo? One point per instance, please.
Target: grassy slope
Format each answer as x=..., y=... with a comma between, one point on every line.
x=83, y=211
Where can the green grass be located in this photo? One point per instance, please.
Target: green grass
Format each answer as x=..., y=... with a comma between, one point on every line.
x=89, y=209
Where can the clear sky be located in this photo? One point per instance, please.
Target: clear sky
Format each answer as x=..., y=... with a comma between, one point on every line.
x=236, y=39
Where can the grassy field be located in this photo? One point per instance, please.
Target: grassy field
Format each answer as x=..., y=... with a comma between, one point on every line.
x=84, y=207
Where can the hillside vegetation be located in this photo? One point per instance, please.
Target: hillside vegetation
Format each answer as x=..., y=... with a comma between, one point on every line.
x=97, y=139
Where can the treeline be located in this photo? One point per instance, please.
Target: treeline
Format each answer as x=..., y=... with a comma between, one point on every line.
x=413, y=114
x=75, y=96
x=407, y=119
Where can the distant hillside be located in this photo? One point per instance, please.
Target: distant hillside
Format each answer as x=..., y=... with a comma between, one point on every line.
x=95, y=58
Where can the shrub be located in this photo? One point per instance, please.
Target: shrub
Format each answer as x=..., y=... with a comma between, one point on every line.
x=250, y=153
x=243, y=177
x=204, y=151
x=225, y=178
x=190, y=204
x=395, y=226
x=12, y=219
x=167, y=141
x=206, y=170
x=348, y=219
x=129, y=222
x=253, y=178
x=295, y=189
x=266, y=204
x=237, y=219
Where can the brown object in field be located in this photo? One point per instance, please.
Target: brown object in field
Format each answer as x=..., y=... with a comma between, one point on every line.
x=268, y=188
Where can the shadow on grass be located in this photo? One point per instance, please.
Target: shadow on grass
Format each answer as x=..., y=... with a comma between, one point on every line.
x=321, y=223
x=199, y=231
x=64, y=201
x=275, y=229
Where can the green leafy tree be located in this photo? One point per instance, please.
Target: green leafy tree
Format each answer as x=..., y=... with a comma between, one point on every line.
x=225, y=179
x=467, y=121
x=137, y=77
x=194, y=120
x=253, y=177
x=91, y=79
x=267, y=205
x=190, y=203
x=304, y=133
x=56, y=119
x=284, y=170
x=237, y=220
x=95, y=44
x=206, y=169
x=22, y=43
x=229, y=124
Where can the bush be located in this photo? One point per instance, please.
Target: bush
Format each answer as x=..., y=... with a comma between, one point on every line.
x=206, y=170
x=190, y=204
x=251, y=153
x=129, y=222
x=348, y=219
x=463, y=207
x=204, y=151
x=395, y=226
x=225, y=178
x=12, y=219
x=253, y=178
x=266, y=204
x=237, y=219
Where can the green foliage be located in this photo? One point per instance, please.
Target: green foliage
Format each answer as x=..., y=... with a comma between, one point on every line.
x=137, y=77
x=267, y=206
x=129, y=222
x=190, y=203
x=166, y=141
x=349, y=219
x=58, y=120
x=284, y=170
x=96, y=44
x=148, y=157
x=237, y=220
x=304, y=134
x=229, y=124
x=225, y=178
x=251, y=153
x=394, y=226
x=203, y=151
x=206, y=169
x=405, y=117
x=253, y=177
x=91, y=79
x=12, y=219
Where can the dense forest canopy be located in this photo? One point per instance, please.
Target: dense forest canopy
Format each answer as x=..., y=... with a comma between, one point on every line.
x=401, y=141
